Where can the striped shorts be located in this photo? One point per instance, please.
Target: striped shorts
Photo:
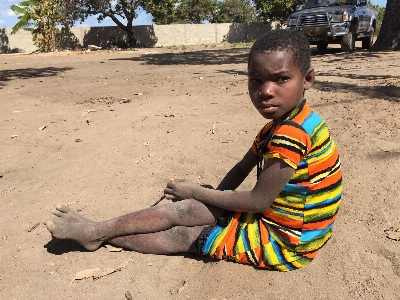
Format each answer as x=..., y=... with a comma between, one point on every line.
x=228, y=239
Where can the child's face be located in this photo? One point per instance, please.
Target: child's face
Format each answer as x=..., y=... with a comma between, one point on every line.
x=276, y=84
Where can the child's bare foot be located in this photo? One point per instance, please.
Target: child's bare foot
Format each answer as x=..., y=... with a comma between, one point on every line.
x=69, y=215
x=83, y=233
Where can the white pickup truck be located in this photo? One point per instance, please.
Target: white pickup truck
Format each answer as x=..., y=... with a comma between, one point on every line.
x=341, y=22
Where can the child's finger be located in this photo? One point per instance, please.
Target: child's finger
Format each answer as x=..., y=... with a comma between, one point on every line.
x=179, y=180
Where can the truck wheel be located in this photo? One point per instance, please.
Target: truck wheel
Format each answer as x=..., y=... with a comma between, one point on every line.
x=322, y=46
x=349, y=41
x=368, y=40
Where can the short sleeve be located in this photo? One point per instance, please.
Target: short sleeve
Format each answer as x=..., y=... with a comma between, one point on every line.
x=259, y=140
x=289, y=142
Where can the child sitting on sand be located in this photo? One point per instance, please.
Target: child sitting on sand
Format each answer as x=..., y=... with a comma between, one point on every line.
x=283, y=221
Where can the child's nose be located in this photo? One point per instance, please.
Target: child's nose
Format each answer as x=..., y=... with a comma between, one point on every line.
x=266, y=89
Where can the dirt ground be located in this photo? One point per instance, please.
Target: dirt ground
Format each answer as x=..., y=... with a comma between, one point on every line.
x=104, y=131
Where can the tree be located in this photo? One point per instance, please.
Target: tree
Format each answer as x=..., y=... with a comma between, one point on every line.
x=276, y=10
x=163, y=12
x=235, y=11
x=26, y=15
x=389, y=35
x=125, y=9
x=181, y=11
x=381, y=12
x=41, y=17
x=194, y=11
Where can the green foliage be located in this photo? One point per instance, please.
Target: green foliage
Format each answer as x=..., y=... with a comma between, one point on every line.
x=181, y=11
x=172, y=48
x=198, y=11
x=276, y=10
x=194, y=11
x=248, y=44
x=41, y=18
x=162, y=11
x=381, y=13
x=126, y=9
x=26, y=15
x=235, y=11
x=122, y=44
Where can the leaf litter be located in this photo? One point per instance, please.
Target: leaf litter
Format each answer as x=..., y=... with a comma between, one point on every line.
x=97, y=273
x=393, y=234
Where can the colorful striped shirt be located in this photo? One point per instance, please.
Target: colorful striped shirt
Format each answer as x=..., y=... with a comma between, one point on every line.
x=289, y=233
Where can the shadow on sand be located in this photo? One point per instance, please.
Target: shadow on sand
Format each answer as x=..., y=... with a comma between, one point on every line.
x=27, y=73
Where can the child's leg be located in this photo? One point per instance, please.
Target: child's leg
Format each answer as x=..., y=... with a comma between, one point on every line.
x=158, y=219
x=174, y=240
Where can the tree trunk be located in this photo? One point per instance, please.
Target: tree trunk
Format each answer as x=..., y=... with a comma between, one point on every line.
x=128, y=28
x=131, y=37
x=130, y=33
x=389, y=34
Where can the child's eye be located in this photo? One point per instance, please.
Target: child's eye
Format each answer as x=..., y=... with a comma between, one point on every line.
x=255, y=80
x=283, y=79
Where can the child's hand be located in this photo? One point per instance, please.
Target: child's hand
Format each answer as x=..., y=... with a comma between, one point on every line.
x=180, y=189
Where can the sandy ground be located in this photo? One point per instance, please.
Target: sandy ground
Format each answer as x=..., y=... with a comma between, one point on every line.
x=104, y=131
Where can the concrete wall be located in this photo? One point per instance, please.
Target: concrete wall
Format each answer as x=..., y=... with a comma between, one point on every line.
x=147, y=35
x=20, y=42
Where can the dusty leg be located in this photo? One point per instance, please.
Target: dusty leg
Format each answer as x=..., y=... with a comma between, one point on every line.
x=69, y=215
x=154, y=219
x=175, y=240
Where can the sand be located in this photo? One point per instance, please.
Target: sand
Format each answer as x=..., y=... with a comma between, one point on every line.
x=104, y=131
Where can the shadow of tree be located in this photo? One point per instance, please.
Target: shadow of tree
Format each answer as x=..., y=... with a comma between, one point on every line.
x=7, y=75
x=246, y=32
x=5, y=44
x=385, y=155
x=341, y=55
x=208, y=57
x=4, y=48
x=316, y=52
x=146, y=36
x=385, y=90
x=368, y=84
x=234, y=55
x=99, y=36
x=67, y=39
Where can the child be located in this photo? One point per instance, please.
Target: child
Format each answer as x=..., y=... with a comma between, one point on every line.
x=283, y=221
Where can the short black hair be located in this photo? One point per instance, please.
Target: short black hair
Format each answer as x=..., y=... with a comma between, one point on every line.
x=285, y=40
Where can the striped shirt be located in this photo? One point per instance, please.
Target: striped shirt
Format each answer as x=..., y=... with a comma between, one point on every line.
x=299, y=221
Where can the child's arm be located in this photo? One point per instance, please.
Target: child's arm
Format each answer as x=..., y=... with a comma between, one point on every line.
x=239, y=172
x=273, y=178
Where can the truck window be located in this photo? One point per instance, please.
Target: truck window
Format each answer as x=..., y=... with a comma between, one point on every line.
x=319, y=3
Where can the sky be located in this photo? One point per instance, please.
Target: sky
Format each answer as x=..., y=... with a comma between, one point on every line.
x=8, y=19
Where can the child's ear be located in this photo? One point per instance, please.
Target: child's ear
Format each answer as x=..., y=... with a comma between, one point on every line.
x=309, y=79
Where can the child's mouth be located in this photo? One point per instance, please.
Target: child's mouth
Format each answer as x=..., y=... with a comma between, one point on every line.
x=268, y=109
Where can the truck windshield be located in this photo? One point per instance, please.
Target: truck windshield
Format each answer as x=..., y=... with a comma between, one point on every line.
x=319, y=3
